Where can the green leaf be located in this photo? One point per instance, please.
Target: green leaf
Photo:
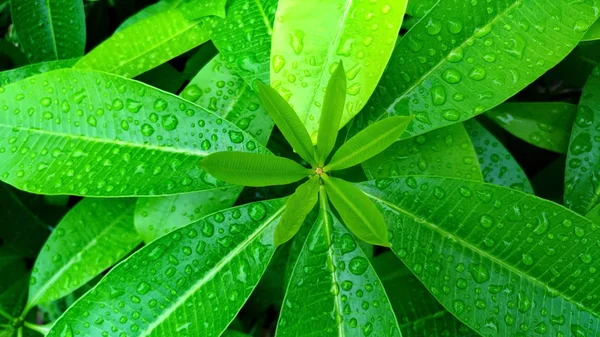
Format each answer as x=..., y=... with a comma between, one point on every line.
x=445, y=152
x=10, y=76
x=92, y=237
x=325, y=299
x=196, y=9
x=593, y=33
x=460, y=60
x=331, y=115
x=148, y=12
x=497, y=164
x=244, y=37
x=240, y=105
x=155, y=217
x=318, y=34
x=358, y=212
x=491, y=246
x=368, y=143
x=128, y=55
x=419, y=313
x=419, y=8
x=192, y=281
x=594, y=215
x=297, y=208
x=582, y=189
x=51, y=29
x=253, y=169
x=545, y=125
x=103, y=135
x=288, y=122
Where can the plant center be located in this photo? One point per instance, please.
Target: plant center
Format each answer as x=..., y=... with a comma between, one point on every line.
x=319, y=170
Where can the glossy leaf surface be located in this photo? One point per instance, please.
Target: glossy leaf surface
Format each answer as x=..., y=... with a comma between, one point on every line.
x=94, y=136
x=460, y=60
x=192, y=281
x=331, y=115
x=253, y=169
x=357, y=211
x=478, y=247
x=497, y=164
x=445, y=152
x=49, y=30
x=582, y=189
x=368, y=143
x=155, y=217
x=287, y=121
x=127, y=55
x=333, y=289
x=297, y=208
x=317, y=35
x=419, y=8
x=593, y=33
x=15, y=75
x=92, y=237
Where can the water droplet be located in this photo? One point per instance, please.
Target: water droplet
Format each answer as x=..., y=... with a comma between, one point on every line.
x=451, y=76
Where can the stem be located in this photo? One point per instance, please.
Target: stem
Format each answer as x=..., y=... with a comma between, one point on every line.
x=6, y=315
x=43, y=329
x=20, y=332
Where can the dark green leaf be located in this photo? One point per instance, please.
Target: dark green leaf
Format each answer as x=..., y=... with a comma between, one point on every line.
x=491, y=246
x=325, y=299
x=545, y=125
x=192, y=281
x=49, y=30
x=446, y=152
x=297, y=208
x=331, y=114
x=460, y=60
x=288, y=122
x=420, y=8
x=358, y=212
x=497, y=164
x=253, y=169
x=593, y=33
x=582, y=189
x=368, y=143
x=594, y=215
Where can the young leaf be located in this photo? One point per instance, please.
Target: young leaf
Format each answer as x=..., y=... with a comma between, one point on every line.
x=331, y=115
x=545, y=125
x=288, y=122
x=328, y=300
x=495, y=242
x=582, y=189
x=92, y=237
x=155, y=217
x=253, y=169
x=369, y=143
x=469, y=62
x=128, y=55
x=10, y=76
x=316, y=34
x=49, y=30
x=194, y=280
x=297, y=208
x=446, y=152
x=103, y=135
x=357, y=211
x=497, y=164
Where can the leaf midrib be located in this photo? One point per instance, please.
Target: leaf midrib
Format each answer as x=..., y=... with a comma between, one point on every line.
x=52, y=33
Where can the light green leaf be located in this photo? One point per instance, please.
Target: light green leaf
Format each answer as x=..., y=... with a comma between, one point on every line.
x=126, y=54
x=244, y=37
x=148, y=12
x=317, y=35
x=593, y=33
x=418, y=312
x=253, y=169
x=358, y=212
x=497, y=164
x=545, y=125
x=368, y=143
x=92, y=237
x=10, y=76
x=288, y=122
x=49, y=30
x=220, y=90
x=155, y=217
x=491, y=246
x=446, y=152
x=196, y=9
x=297, y=208
x=103, y=135
x=325, y=299
x=582, y=189
x=192, y=281
x=460, y=60
x=331, y=115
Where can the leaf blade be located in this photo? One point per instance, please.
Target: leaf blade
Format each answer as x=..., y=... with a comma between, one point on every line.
x=297, y=208
x=331, y=115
